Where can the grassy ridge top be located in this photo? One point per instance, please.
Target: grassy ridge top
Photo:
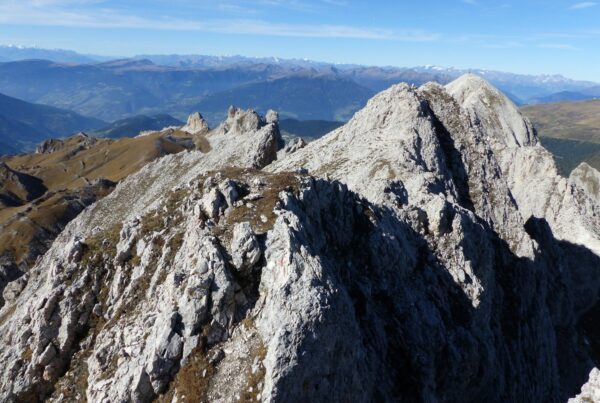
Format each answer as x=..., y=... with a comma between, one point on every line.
x=567, y=120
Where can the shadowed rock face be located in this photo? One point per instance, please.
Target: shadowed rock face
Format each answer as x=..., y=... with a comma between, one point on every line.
x=17, y=188
x=399, y=258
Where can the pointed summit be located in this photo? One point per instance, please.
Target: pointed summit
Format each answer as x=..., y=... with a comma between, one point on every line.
x=196, y=124
x=492, y=110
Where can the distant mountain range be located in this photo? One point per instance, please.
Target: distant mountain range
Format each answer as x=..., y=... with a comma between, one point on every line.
x=16, y=52
x=180, y=84
x=301, y=97
x=307, y=129
x=23, y=125
x=131, y=127
x=149, y=92
x=121, y=89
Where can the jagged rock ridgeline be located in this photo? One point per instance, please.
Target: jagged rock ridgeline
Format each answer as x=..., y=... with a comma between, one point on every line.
x=77, y=171
x=400, y=257
x=80, y=140
x=53, y=185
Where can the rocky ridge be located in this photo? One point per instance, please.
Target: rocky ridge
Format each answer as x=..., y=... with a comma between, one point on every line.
x=404, y=256
x=49, y=188
x=17, y=188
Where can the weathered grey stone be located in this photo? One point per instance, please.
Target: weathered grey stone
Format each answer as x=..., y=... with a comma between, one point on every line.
x=230, y=191
x=245, y=249
x=213, y=204
x=413, y=266
x=196, y=124
x=590, y=392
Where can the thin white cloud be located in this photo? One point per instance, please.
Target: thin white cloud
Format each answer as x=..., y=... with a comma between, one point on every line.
x=337, y=3
x=560, y=46
x=310, y=6
x=19, y=13
x=78, y=13
x=583, y=5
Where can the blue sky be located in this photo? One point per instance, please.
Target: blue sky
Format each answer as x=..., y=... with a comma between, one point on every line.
x=526, y=36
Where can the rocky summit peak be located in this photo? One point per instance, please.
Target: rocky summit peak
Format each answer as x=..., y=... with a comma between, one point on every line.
x=240, y=121
x=425, y=251
x=196, y=124
x=272, y=116
x=496, y=113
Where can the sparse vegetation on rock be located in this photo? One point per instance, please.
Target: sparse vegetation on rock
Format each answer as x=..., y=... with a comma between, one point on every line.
x=427, y=250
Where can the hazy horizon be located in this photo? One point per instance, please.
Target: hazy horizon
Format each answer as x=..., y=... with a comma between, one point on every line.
x=527, y=37
x=107, y=57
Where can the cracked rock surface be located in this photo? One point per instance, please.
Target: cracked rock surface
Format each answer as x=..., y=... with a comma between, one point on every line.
x=425, y=251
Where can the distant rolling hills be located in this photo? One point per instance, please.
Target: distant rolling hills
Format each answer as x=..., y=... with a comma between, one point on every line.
x=131, y=127
x=568, y=154
x=564, y=96
x=567, y=120
x=6, y=149
x=307, y=129
x=23, y=124
x=570, y=130
x=124, y=88
x=178, y=85
x=299, y=97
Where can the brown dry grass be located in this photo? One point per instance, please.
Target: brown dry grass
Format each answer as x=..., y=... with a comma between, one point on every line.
x=98, y=246
x=202, y=143
x=26, y=229
x=263, y=207
x=68, y=170
x=27, y=354
x=251, y=391
x=110, y=159
x=567, y=120
x=192, y=381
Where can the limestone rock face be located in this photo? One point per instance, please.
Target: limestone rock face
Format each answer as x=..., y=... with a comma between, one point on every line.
x=245, y=247
x=569, y=206
x=588, y=179
x=399, y=258
x=590, y=392
x=291, y=147
x=196, y=124
x=494, y=111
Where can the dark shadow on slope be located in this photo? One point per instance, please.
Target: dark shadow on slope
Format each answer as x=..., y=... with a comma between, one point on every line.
x=374, y=276
x=454, y=163
x=421, y=337
x=573, y=271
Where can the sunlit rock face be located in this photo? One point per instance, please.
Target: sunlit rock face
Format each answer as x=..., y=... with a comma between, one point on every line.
x=425, y=251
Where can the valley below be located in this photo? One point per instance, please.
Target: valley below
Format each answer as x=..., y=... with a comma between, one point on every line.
x=425, y=248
